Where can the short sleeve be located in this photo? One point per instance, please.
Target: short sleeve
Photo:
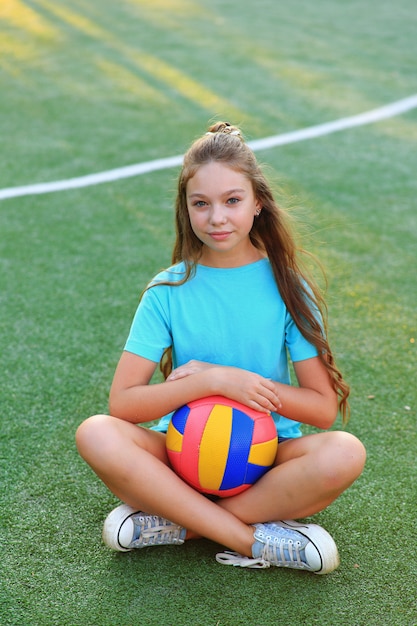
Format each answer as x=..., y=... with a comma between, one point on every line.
x=150, y=332
x=298, y=347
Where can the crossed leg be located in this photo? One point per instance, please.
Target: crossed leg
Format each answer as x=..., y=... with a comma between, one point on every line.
x=309, y=474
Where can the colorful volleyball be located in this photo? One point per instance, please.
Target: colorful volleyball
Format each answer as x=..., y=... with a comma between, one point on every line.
x=219, y=446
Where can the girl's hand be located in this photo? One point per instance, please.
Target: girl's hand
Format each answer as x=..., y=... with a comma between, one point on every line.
x=192, y=367
x=250, y=389
x=237, y=384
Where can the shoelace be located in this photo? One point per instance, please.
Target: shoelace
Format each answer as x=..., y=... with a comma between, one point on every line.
x=154, y=530
x=237, y=560
x=285, y=553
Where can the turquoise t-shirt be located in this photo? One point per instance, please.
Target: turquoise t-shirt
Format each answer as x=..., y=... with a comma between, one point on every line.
x=232, y=317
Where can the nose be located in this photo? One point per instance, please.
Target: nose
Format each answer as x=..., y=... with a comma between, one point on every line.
x=217, y=214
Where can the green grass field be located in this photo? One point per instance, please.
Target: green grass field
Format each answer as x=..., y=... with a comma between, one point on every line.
x=88, y=86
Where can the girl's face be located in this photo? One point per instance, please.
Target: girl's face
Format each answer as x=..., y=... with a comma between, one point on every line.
x=222, y=206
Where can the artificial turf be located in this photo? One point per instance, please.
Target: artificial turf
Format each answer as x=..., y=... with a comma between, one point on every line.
x=89, y=86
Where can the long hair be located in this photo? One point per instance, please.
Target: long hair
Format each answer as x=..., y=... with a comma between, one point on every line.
x=271, y=233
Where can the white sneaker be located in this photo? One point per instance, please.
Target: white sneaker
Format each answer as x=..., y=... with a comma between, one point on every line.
x=126, y=528
x=288, y=544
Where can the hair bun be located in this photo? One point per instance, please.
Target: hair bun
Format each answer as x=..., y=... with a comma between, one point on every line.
x=224, y=128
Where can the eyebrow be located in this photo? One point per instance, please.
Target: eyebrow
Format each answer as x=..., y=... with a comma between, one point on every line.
x=226, y=193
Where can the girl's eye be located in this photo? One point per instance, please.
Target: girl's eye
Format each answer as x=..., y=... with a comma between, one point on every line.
x=199, y=203
x=233, y=200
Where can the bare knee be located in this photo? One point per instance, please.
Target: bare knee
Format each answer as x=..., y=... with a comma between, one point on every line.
x=353, y=453
x=344, y=459
x=102, y=440
x=90, y=434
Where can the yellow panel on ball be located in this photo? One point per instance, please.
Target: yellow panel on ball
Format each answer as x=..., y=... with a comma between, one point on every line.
x=263, y=453
x=174, y=439
x=214, y=447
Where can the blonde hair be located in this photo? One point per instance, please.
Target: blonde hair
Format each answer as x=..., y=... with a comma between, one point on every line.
x=271, y=233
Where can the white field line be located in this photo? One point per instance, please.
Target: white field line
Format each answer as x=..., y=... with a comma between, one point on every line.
x=369, y=117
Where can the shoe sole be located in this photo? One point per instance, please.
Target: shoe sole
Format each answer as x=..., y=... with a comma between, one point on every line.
x=112, y=525
x=323, y=542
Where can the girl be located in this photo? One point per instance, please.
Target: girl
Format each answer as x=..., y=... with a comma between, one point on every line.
x=220, y=322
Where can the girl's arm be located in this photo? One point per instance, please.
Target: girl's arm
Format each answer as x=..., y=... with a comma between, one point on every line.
x=315, y=401
x=133, y=399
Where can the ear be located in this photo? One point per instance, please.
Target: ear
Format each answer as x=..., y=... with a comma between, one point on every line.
x=258, y=208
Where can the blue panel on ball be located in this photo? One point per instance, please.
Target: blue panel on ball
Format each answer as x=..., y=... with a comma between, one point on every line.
x=179, y=419
x=240, y=444
x=254, y=472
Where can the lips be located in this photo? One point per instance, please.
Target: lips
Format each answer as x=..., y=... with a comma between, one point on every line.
x=220, y=236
